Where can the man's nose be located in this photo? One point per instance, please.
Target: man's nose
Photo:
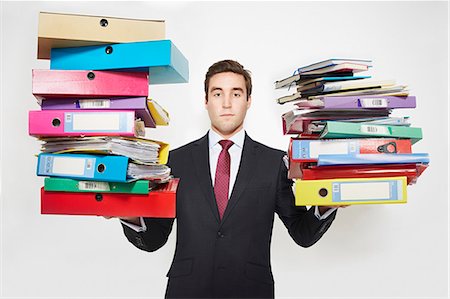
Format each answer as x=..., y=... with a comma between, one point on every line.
x=226, y=102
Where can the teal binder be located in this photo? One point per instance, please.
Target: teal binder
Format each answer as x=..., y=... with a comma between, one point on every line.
x=162, y=59
x=339, y=129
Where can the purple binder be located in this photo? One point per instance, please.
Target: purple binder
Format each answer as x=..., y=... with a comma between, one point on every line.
x=359, y=102
x=138, y=104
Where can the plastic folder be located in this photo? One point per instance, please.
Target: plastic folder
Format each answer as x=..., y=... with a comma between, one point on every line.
x=81, y=166
x=338, y=129
x=69, y=185
x=359, y=102
x=164, y=62
x=82, y=123
x=309, y=150
x=387, y=190
x=88, y=84
x=325, y=160
x=138, y=104
x=58, y=30
x=160, y=203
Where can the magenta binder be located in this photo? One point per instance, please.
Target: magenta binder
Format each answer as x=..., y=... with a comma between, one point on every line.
x=138, y=104
x=63, y=123
x=88, y=84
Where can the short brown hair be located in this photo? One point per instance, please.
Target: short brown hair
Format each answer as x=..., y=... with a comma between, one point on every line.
x=228, y=66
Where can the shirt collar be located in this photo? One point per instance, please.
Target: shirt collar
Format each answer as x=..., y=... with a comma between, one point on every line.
x=238, y=138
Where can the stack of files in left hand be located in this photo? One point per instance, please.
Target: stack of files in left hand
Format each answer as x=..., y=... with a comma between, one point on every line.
x=95, y=106
x=348, y=149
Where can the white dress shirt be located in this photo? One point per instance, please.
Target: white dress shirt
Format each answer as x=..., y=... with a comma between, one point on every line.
x=235, y=155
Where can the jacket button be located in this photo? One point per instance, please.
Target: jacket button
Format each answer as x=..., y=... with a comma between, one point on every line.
x=219, y=233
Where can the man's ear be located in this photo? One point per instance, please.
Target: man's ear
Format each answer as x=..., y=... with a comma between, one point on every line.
x=249, y=102
x=206, y=100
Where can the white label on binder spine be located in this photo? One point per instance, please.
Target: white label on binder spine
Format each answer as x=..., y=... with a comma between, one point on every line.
x=96, y=121
x=68, y=166
x=327, y=147
x=365, y=191
x=374, y=129
x=93, y=186
x=95, y=104
x=374, y=103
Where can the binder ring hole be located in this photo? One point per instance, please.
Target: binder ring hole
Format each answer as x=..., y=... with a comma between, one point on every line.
x=323, y=192
x=91, y=76
x=104, y=22
x=98, y=197
x=108, y=50
x=101, y=168
x=56, y=122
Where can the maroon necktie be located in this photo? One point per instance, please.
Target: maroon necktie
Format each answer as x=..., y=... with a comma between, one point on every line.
x=222, y=180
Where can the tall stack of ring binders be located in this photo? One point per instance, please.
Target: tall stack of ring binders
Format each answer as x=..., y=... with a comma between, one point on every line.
x=95, y=106
x=348, y=149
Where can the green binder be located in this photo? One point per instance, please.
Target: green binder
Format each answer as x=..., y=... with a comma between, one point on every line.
x=340, y=129
x=69, y=185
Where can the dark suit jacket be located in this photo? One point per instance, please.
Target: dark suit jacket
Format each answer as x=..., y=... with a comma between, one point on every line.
x=228, y=258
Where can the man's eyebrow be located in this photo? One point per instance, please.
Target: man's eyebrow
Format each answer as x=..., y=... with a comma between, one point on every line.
x=215, y=88
x=238, y=89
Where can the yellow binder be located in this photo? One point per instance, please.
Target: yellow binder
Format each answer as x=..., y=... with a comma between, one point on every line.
x=387, y=190
x=68, y=30
x=159, y=114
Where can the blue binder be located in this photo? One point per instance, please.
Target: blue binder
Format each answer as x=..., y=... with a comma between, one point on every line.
x=82, y=166
x=325, y=160
x=164, y=62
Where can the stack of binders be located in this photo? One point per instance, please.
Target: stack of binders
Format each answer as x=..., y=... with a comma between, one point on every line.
x=348, y=149
x=95, y=106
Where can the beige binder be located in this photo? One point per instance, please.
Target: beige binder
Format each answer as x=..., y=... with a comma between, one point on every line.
x=67, y=30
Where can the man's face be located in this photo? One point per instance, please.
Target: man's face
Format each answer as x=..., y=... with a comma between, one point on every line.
x=227, y=103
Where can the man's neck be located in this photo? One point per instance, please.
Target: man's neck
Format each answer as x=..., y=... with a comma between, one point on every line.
x=229, y=135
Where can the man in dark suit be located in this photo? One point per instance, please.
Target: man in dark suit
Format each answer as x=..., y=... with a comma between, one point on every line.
x=230, y=188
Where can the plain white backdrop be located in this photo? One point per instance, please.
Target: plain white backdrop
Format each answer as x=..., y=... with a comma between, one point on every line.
x=375, y=251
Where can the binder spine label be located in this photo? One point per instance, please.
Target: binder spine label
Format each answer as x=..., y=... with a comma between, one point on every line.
x=93, y=186
x=367, y=191
x=94, y=104
x=374, y=103
x=97, y=122
x=67, y=166
x=368, y=129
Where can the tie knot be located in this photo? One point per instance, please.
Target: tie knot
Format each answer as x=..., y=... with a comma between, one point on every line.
x=226, y=144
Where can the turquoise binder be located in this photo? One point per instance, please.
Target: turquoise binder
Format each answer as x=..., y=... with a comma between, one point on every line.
x=164, y=62
x=339, y=129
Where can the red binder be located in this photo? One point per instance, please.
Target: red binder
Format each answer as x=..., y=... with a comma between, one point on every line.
x=158, y=203
x=306, y=171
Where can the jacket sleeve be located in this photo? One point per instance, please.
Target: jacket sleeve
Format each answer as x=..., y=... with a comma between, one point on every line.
x=303, y=226
x=156, y=235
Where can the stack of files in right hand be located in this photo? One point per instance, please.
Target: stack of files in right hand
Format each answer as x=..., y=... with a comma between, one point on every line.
x=95, y=106
x=348, y=148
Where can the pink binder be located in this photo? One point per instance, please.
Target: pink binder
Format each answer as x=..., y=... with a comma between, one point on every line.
x=81, y=123
x=88, y=84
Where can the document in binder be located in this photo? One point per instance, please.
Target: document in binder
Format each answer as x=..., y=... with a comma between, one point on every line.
x=138, y=104
x=84, y=123
x=81, y=166
x=358, y=102
x=159, y=203
x=387, y=190
x=301, y=150
x=70, y=185
x=312, y=172
x=339, y=129
x=164, y=62
x=88, y=84
x=58, y=30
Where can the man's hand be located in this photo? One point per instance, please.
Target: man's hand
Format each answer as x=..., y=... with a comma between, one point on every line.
x=133, y=220
x=323, y=209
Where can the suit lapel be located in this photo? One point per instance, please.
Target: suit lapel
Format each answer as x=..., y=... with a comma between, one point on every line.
x=244, y=175
x=200, y=156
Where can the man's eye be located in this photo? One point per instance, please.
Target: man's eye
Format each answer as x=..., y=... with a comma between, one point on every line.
x=237, y=95
x=216, y=94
